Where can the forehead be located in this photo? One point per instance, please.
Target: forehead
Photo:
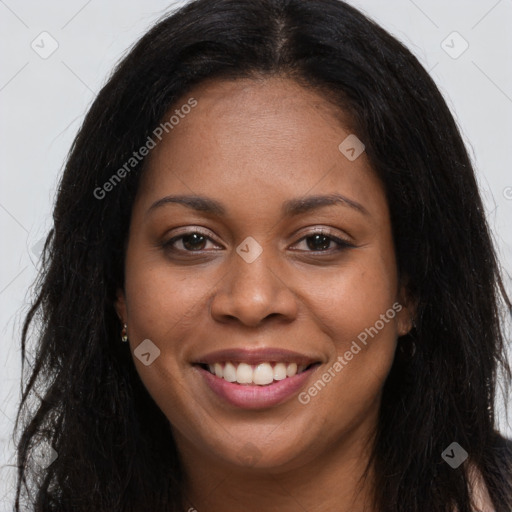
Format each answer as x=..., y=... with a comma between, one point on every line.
x=255, y=141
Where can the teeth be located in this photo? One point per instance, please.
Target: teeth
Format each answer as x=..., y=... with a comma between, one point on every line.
x=261, y=374
x=243, y=374
x=229, y=372
x=291, y=370
x=279, y=371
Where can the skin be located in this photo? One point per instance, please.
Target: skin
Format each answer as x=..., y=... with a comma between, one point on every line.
x=251, y=145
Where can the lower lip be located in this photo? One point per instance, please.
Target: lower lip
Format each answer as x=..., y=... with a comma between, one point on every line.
x=246, y=396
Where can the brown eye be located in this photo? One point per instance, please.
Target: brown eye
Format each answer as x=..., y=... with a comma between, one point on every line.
x=321, y=242
x=318, y=242
x=192, y=241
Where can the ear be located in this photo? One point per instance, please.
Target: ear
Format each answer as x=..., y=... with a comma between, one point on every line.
x=120, y=306
x=406, y=317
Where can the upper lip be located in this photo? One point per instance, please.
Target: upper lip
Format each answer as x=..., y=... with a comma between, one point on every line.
x=256, y=356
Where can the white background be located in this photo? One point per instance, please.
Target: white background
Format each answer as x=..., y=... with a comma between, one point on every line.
x=43, y=102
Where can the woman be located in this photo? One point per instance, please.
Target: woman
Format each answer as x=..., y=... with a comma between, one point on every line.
x=270, y=284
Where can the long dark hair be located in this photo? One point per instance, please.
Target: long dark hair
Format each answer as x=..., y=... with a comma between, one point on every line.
x=82, y=395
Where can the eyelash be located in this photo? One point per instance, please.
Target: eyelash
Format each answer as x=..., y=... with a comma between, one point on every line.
x=342, y=244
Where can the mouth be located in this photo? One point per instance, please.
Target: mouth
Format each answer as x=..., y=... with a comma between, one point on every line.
x=256, y=378
x=261, y=374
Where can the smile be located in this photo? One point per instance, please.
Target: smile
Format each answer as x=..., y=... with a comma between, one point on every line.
x=255, y=378
x=262, y=374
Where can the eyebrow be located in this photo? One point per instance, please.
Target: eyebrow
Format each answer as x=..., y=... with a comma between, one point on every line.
x=290, y=207
x=306, y=204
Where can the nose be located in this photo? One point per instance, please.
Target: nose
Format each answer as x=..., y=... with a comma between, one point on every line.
x=251, y=292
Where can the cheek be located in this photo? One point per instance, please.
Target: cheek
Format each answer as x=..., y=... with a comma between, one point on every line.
x=164, y=306
x=364, y=295
x=353, y=297
x=162, y=300
x=357, y=309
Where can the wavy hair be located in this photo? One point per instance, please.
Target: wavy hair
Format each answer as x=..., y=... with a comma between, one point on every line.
x=81, y=393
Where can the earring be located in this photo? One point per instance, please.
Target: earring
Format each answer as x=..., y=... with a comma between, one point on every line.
x=124, y=334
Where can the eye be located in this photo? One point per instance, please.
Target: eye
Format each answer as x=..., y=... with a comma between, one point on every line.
x=196, y=241
x=320, y=241
x=191, y=241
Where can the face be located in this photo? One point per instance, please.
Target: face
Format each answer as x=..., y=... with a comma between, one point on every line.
x=282, y=280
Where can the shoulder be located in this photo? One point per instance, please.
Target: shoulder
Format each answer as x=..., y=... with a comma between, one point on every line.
x=482, y=500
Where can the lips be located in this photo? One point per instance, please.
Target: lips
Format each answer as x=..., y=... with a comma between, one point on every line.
x=258, y=378
x=257, y=356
